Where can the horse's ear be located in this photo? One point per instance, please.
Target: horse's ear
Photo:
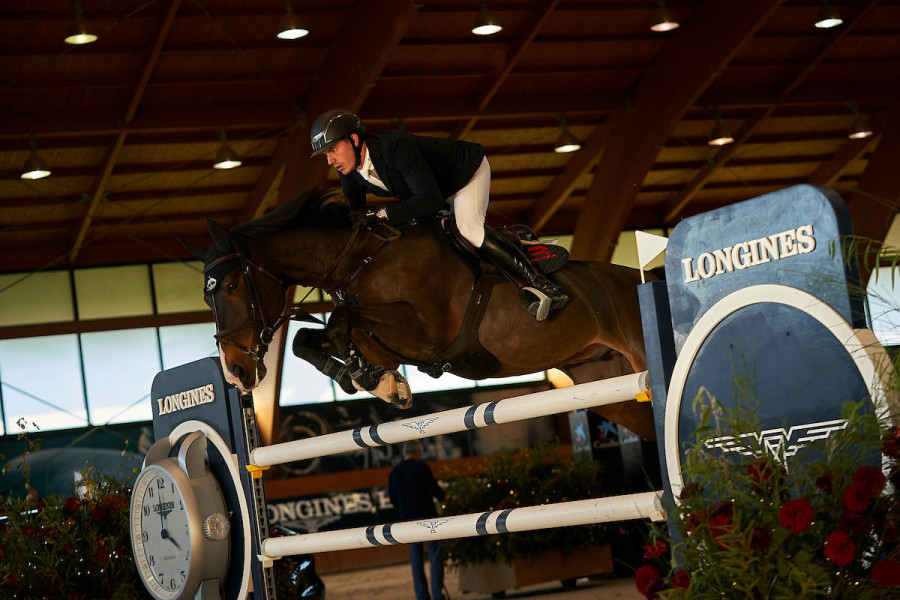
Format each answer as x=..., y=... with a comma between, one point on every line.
x=219, y=235
x=196, y=251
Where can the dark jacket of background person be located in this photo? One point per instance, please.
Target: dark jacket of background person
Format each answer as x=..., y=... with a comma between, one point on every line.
x=420, y=171
x=412, y=489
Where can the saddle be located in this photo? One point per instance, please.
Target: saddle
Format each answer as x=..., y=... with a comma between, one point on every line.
x=547, y=257
x=465, y=356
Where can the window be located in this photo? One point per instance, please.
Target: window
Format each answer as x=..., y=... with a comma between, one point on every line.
x=119, y=367
x=41, y=383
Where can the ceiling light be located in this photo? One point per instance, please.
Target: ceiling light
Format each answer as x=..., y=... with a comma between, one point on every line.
x=290, y=28
x=485, y=23
x=663, y=19
x=828, y=16
x=226, y=157
x=719, y=136
x=566, y=142
x=35, y=167
x=859, y=129
x=79, y=32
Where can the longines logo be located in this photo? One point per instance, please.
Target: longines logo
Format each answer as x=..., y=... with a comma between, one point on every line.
x=421, y=424
x=750, y=254
x=186, y=399
x=432, y=525
x=780, y=440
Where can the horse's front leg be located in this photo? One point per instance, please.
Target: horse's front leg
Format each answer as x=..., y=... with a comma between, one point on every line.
x=314, y=346
x=387, y=384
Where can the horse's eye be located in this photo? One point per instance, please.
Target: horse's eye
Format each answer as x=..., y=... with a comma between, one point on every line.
x=232, y=286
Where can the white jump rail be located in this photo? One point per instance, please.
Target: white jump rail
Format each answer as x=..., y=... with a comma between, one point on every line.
x=646, y=505
x=508, y=410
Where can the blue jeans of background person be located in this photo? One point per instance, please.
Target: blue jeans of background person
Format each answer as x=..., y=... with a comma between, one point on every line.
x=417, y=560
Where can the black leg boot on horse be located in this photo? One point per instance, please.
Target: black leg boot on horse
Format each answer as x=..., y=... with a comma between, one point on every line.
x=384, y=383
x=539, y=294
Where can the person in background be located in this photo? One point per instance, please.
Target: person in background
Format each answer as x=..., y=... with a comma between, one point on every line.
x=413, y=490
x=425, y=174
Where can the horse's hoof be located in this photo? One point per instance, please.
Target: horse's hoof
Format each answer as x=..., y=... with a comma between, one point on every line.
x=393, y=389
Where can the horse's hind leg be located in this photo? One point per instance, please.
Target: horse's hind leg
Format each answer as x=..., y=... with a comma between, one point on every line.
x=314, y=346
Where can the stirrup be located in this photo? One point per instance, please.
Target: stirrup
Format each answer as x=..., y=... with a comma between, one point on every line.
x=540, y=308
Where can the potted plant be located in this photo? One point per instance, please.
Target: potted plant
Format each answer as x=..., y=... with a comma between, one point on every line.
x=824, y=523
x=511, y=479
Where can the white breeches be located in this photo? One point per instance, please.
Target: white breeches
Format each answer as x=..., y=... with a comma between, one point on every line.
x=470, y=204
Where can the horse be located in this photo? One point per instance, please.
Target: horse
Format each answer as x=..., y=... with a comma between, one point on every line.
x=402, y=296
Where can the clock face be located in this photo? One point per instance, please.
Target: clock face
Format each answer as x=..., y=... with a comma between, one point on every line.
x=160, y=533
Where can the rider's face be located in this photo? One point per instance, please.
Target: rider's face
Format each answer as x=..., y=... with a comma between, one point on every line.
x=341, y=157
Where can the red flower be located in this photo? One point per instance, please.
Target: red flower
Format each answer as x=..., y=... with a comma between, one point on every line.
x=891, y=442
x=75, y=596
x=71, y=504
x=854, y=523
x=41, y=505
x=871, y=478
x=693, y=520
x=691, y=490
x=839, y=548
x=680, y=579
x=856, y=498
x=101, y=555
x=825, y=482
x=760, y=539
x=29, y=530
x=886, y=572
x=648, y=580
x=98, y=513
x=765, y=474
x=796, y=515
x=720, y=525
x=659, y=548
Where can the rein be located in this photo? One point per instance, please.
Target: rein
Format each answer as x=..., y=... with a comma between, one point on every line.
x=258, y=316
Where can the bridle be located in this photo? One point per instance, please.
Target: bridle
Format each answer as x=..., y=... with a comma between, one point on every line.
x=258, y=318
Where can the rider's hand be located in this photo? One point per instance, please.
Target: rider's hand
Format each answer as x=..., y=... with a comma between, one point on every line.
x=368, y=217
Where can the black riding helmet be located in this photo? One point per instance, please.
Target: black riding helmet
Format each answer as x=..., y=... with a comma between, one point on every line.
x=333, y=126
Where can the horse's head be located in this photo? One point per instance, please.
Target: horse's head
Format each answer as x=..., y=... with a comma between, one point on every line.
x=248, y=303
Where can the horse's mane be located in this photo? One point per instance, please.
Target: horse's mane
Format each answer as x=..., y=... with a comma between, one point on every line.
x=312, y=208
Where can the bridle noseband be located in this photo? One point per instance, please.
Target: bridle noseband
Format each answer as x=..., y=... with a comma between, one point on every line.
x=258, y=317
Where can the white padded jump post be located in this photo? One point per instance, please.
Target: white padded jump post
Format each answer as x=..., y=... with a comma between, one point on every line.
x=646, y=505
x=517, y=408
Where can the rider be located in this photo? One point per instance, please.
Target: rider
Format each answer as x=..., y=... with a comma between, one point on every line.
x=424, y=173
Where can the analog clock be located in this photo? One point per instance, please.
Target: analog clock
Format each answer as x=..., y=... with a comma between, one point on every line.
x=180, y=527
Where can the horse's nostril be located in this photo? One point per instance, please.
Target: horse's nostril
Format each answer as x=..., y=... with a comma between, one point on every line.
x=237, y=370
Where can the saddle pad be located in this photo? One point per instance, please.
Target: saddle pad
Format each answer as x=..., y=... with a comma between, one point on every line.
x=546, y=257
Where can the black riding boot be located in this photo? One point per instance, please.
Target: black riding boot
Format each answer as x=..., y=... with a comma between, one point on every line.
x=538, y=293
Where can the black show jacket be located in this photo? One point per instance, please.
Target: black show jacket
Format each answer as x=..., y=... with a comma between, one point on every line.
x=421, y=172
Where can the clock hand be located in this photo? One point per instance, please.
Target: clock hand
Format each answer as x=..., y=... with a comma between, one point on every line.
x=171, y=539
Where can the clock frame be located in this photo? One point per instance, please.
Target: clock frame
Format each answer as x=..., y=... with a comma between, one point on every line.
x=175, y=499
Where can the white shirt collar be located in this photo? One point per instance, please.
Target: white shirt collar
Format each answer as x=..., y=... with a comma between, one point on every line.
x=368, y=166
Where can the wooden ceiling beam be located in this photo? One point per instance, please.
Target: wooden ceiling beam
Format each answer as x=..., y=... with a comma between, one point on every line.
x=684, y=68
x=875, y=201
x=561, y=187
x=830, y=170
x=499, y=78
x=346, y=77
x=283, y=115
x=112, y=153
x=676, y=204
